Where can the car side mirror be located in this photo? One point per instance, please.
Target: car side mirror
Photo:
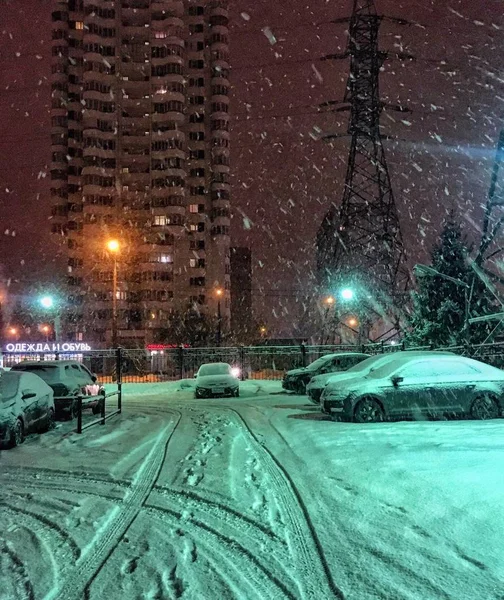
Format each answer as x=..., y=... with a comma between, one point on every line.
x=28, y=395
x=94, y=378
x=396, y=379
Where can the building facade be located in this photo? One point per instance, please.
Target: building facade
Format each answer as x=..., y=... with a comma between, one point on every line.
x=140, y=154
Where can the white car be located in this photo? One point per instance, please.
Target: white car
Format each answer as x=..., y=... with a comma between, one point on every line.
x=216, y=379
x=26, y=405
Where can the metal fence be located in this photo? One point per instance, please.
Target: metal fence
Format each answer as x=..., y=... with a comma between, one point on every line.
x=104, y=416
x=255, y=362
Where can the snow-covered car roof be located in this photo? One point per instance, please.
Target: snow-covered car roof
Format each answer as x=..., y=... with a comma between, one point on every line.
x=389, y=367
x=216, y=368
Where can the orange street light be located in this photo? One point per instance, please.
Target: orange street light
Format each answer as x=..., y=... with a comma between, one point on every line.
x=352, y=322
x=13, y=330
x=46, y=328
x=329, y=300
x=219, y=292
x=113, y=246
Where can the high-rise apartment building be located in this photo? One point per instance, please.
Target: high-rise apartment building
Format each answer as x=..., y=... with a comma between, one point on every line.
x=140, y=154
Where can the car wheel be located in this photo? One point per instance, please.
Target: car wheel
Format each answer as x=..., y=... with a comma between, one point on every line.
x=484, y=407
x=368, y=411
x=17, y=434
x=300, y=387
x=72, y=413
x=237, y=393
x=97, y=409
x=50, y=420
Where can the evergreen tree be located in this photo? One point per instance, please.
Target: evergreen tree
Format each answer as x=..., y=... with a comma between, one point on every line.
x=439, y=305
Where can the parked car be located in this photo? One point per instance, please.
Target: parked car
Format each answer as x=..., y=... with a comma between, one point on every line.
x=419, y=385
x=296, y=380
x=68, y=379
x=26, y=405
x=216, y=379
x=317, y=384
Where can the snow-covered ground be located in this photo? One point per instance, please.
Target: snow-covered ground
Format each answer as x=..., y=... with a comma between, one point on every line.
x=257, y=497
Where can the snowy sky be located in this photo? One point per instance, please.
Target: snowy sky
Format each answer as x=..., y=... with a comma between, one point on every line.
x=283, y=179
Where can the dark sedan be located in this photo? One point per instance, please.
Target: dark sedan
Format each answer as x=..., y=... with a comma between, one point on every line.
x=68, y=379
x=419, y=386
x=296, y=380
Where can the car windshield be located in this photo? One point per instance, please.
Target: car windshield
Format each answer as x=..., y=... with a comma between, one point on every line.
x=367, y=363
x=214, y=369
x=320, y=362
x=387, y=369
x=9, y=385
x=48, y=373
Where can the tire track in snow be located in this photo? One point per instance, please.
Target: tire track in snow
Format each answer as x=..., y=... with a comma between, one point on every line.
x=25, y=588
x=36, y=522
x=96, y=554
x=231, y=524
x=248, y=570
x=316, y=579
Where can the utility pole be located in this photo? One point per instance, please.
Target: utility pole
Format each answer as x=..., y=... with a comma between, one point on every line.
x=360, y=242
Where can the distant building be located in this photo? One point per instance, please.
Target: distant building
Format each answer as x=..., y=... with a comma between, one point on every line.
x=140, y=153
x=243, y=325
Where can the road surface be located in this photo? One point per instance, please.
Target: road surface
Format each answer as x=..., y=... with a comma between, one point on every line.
x=252, y=498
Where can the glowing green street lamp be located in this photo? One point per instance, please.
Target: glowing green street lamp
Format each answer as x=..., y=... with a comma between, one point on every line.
x=347, y=294
x=48, y=303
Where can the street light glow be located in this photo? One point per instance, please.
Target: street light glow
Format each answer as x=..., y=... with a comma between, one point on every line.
x=347, y=294
x=47, y=301
x=13, y=331
x=352, y=322
x=219, y=291
x=45, y=328
x=113, y=246
x=329, y=300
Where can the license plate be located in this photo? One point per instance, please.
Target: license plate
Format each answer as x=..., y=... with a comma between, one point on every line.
x=218, y=391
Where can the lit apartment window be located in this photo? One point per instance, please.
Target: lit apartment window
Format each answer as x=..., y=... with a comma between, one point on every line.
x=79, y=25
x=160, y=220
x=125, y=169
x=193, y=262
x=160, y=35
x=165, y=258
x=193, y=208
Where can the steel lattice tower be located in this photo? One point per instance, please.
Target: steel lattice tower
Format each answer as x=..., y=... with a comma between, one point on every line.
x=362, y=239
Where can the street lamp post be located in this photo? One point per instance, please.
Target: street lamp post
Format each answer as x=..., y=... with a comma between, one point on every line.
x=46, y=329
x=113, y=247
x=48, y=303
x=219, y=292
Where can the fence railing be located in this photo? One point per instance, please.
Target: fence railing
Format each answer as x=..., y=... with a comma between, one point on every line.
x=103, y=414
x=255, y=362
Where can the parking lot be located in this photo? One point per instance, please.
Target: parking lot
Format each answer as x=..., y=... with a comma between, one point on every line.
x=253, y=497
